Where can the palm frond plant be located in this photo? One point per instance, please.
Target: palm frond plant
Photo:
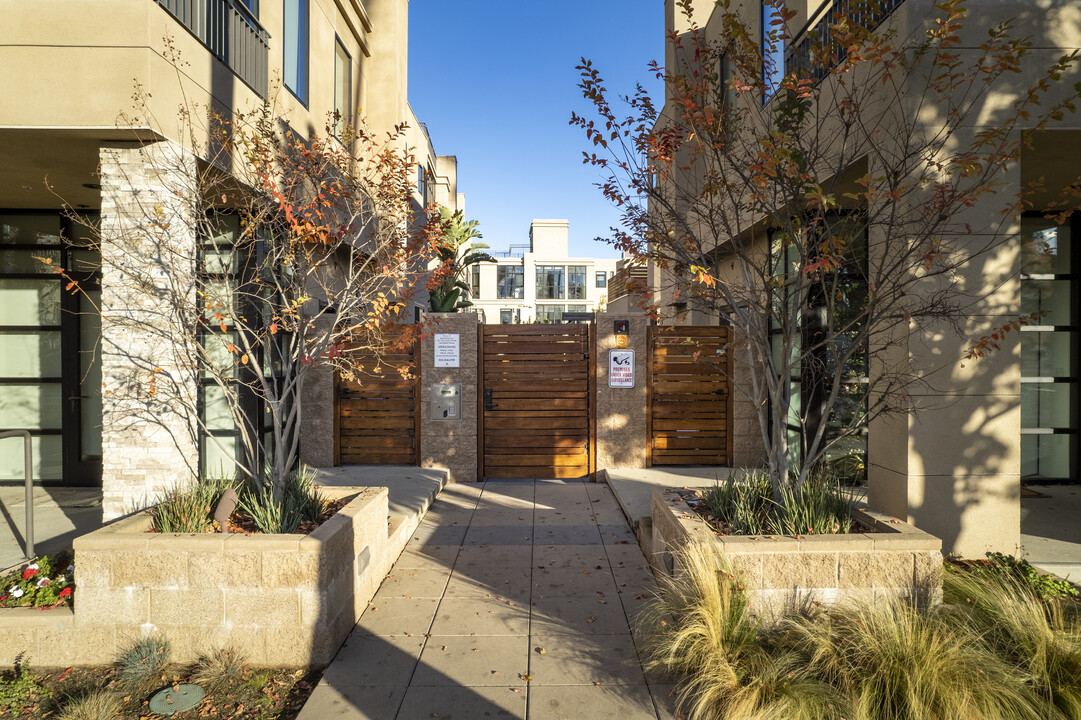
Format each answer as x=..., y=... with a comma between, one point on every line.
x=457, y=252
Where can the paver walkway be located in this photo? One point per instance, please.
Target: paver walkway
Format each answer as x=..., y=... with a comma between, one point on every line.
x=513, y=599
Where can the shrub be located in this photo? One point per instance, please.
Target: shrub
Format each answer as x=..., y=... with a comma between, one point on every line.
x=48, y=581
x=141, y=667
x=1041, y=639
x=741, y=503
x=992, y=651
x=20, y=688
x=220, y=671
x=282, y=511
x=190, y=510
x=97, y=705
x=745, y=505
x=700, y=628
x=1045, y=586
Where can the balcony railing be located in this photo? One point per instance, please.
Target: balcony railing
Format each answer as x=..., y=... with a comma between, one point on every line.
x=228, y=30
x=625, y=281
x=819, y=31
x=515, y=251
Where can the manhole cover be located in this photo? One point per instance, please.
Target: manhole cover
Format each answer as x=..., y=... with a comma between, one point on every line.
x=176, y=698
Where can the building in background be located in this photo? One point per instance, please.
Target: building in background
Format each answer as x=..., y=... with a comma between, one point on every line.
x=538, y=281
x=70, y=73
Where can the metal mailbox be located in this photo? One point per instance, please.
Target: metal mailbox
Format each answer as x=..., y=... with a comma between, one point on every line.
x=446, y=401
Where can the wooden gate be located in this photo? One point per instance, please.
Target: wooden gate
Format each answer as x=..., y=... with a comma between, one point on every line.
x=690, y=399
x=378, y=417
x=536, y=411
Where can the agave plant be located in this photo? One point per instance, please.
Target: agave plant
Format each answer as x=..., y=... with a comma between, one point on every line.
x=448, y=296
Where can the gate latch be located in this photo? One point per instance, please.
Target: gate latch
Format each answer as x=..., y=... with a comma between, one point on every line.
x=488, y=404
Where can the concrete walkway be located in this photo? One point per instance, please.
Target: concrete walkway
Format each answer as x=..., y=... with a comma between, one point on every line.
x=513, y=599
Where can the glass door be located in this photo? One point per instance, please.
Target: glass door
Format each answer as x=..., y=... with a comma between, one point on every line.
x=1049, y=351
x=50, y=376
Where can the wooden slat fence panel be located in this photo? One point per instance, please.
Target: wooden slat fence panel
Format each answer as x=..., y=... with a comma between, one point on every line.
x=377, y=412
x=690, y=395
x=536, y=413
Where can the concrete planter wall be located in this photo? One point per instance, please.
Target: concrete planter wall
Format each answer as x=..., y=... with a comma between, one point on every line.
x=280, y=600
x=896, y=559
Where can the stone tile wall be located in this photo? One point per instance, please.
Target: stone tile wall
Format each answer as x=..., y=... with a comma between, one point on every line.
x=149, y=437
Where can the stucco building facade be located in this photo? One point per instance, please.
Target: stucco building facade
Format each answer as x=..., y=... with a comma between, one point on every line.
x=92, y=95
x=974, y=432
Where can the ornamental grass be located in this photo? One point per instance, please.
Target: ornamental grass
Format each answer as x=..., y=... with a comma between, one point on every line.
x=994, y=650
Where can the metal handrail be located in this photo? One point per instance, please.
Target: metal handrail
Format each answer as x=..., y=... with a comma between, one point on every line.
x=28, y=473
x=868, y=13
x=229, y=30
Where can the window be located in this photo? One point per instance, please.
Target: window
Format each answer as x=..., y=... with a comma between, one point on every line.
x=1049, y=375
x=343, y=85
x=576, y=282
x=772, y=50
x=422, y=185
x=509, y=315
x=474, y=282
x=602, y=279
x=252, y=5
x=295, y=43
x=550, y=313
x=817, y=309
x=510, y=282
x=550, y=282
x=228, y=263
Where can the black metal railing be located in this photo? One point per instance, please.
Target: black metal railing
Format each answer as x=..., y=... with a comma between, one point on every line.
x=818, y=32
x=229, y=30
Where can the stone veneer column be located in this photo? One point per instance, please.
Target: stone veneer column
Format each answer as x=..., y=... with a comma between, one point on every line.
x=450, y=445
x=148, y=260
x=622, y=441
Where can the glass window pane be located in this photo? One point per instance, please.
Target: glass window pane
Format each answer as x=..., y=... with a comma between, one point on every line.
x=510, y=282
x=216, y=411
x=1046, y=247
x=1051, y=298
x=31, y=407
x=295, y=42
x=30, y=229
x=219, y=359
x=218, y=454
x=47, y=452
x=30, y=354
x=1047, y=354
x=219, y=262
x=217, y=297
x=1046, y=405
x=550, y=285
x=29, y=261
x=1046, y=456
x=576, y=282
x=29, y=302
x=550, y=313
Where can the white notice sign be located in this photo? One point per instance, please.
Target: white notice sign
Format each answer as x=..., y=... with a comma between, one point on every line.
x=447, y=352
x=621, y=368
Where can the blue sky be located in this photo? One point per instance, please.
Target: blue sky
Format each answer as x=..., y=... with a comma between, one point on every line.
x=495, y=83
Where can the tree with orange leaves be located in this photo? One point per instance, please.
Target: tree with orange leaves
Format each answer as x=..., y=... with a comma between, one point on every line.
x=826, y=192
